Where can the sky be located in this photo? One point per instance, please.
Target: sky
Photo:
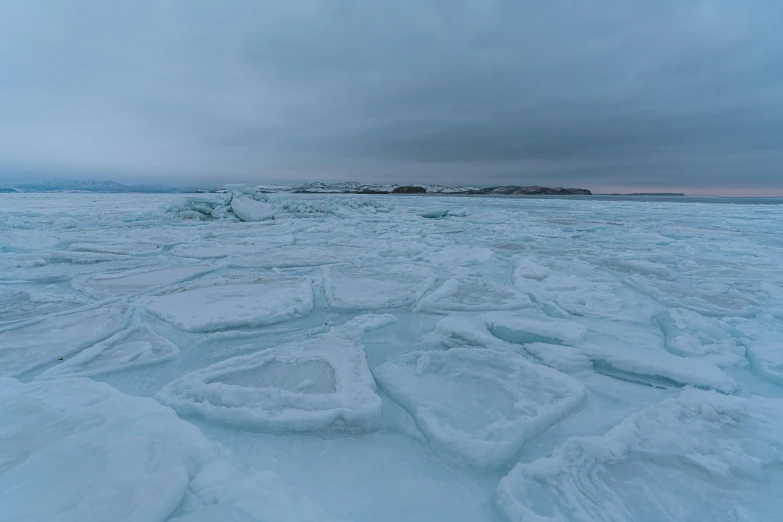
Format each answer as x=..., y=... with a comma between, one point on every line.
x=610, y=95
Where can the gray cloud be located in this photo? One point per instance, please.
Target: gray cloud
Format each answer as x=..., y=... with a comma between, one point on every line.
x=605, y=93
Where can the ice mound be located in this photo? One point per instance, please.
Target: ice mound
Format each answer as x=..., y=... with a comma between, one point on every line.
x=245, y=204
x=224, y=307
x=468, y=293
x=689, y=334
x=78, y=450
x=28, y=345
x=348, y=287
x=248, y=209
x=133, y=348
x=202, y=207
x=700, y=456
x=133, y=281
x=763, y=340
x=317, y=384
x=477, y=406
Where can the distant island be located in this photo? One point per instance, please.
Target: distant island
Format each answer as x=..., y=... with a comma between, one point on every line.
x=352, y=187
x=535, y=190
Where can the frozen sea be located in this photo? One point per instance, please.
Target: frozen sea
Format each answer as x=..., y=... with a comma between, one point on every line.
x=388, y=359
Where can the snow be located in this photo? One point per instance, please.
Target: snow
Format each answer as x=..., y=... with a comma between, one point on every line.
x=75, y=450
x=263, y=355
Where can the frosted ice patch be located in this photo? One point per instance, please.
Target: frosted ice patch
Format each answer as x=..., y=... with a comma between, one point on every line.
x=217, y=249
x=17, y=304
x=459, y=255
x=478, y=407
x=141, y=280
x=700, y=456
x=77, y=450
x=318, y=384
x=124, y=249
x=132, y=348
x=348, y=287
x=473, y=294
x=82, y=258
x=297, y=256
x=234, y=306
x=31, y=344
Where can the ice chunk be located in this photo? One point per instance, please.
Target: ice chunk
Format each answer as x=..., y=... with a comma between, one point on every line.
x=689, y=334
x=318, y=384
x=436, y=213
x=234, y=306
x=235, y=188
x=74, y=450
x=700, y=456
x=476, y=406
x=133, y=348
x=31, y=344
x=375, y=287
x=473, y=294
x=657, y=368
x=522, y=330
x=248, y=209
x=528, y=269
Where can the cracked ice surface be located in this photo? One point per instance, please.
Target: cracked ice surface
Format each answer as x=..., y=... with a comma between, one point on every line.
x=250, y=357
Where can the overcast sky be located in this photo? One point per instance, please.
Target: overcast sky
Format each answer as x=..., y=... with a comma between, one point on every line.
x=601, y=94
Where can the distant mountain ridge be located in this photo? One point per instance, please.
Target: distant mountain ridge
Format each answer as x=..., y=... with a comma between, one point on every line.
x=348, y=187
x=69, y=185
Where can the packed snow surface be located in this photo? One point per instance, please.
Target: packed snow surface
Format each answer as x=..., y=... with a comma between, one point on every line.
x=252, y=356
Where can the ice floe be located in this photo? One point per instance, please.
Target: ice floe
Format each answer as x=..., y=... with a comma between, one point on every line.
x=31, y=344
x=222, y=307
x=126, y=350
x=477, y=406
x=312, y=385
x=699, y=456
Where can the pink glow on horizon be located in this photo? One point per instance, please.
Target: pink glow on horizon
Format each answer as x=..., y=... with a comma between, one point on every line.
x=699, y=191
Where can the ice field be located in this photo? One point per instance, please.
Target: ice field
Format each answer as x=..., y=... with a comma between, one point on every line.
x=248, y=357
